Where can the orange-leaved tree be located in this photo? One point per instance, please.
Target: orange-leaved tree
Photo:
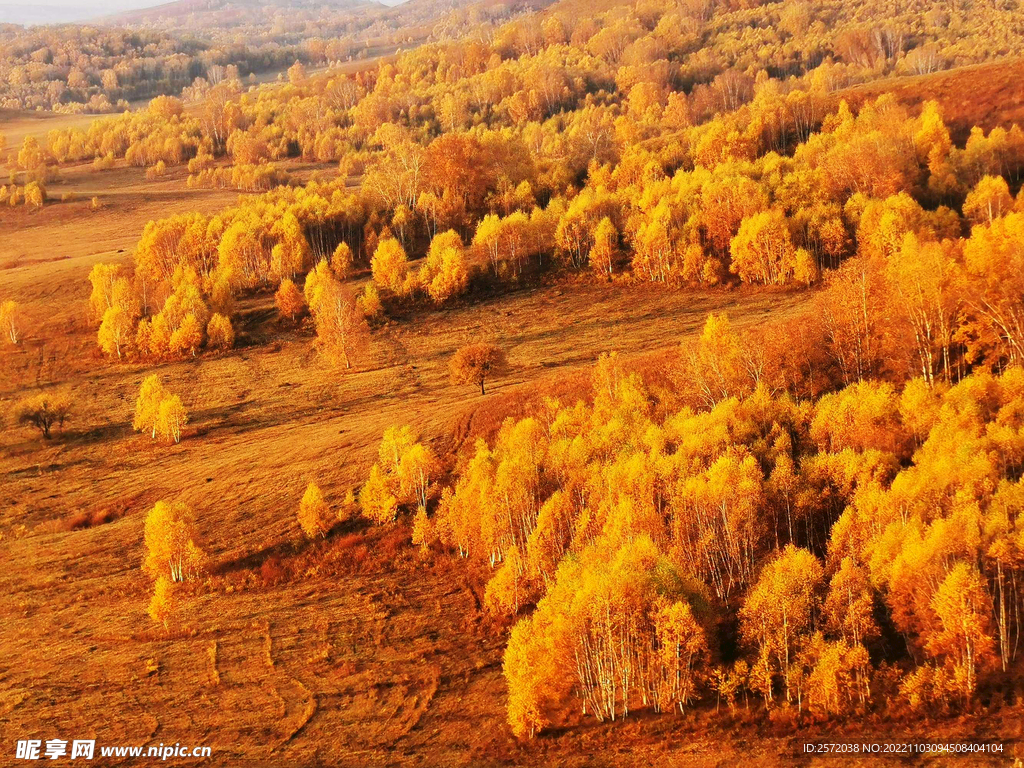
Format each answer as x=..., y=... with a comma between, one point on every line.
x=475, y=363
x=289, y=300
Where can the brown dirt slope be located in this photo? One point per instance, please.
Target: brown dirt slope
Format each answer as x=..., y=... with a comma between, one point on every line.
x=987, y=95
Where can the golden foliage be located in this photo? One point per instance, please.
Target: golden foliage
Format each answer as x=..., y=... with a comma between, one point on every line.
x=161, y=605
x=219, y=333
x=742, y=509
x=341, y=327
x=390, y=266
x=401, y=478
x=171, y=549
x=444, y=273
x=159, y=412
x=314, y=514
x=10, y=321
x=289, y=300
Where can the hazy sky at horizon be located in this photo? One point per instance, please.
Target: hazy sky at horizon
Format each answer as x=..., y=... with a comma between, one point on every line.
x=94, y=7
x=101, y=7
x=68, y=11
x=50, y=11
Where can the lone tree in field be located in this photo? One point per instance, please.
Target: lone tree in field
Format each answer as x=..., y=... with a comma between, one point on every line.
x=170, y=535
x=475, y=363
x=314, y=514
x=44, y=412
x=9, y=321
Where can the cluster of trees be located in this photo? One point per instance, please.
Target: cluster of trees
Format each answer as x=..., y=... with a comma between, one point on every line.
x=172, y=555
x=633, y=530
x=770, y=220
x=171, y=304
x=160, y=132
x=248, y=178
x=315, y=515
x=75, y=69
x=767, y=522
x=683, y=145
x=85, y=68
x=31, y=195
x=158, y=412
x=917, y=300
x=405, y=473
x=766, y=219
x=402, y=477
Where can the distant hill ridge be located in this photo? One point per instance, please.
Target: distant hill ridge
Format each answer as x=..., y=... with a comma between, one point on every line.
x=181, y=9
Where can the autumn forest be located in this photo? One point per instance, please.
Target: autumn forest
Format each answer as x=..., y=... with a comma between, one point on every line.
x=528, y=383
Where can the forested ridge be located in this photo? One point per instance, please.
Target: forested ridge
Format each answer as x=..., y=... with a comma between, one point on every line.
x=819, y=516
